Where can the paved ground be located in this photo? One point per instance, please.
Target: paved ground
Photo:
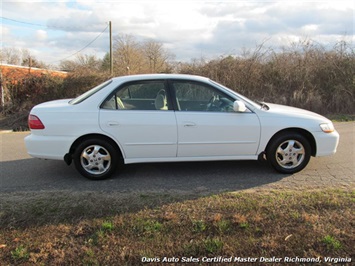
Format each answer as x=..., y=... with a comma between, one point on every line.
x=20, y=173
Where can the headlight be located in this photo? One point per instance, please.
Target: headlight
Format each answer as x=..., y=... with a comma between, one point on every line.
x=327, y=127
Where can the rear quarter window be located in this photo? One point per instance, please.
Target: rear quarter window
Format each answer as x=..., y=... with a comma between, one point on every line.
x=89, y=93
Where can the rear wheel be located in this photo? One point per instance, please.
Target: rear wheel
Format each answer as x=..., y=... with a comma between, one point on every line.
x=96, y=159
x=289, y=153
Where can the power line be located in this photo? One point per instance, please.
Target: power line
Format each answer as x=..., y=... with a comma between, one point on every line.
x=22, y=22
x=84, y=46
x=35, y=24
x=39, y=25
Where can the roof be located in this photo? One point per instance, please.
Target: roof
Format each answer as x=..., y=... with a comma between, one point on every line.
x=14, y=71
x=160, y=76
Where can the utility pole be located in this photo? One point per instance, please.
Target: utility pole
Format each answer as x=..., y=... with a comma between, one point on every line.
x=29, y=64
x=111, y=55
x=2, y=90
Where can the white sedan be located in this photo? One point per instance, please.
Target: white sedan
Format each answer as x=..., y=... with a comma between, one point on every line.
x=173, y=118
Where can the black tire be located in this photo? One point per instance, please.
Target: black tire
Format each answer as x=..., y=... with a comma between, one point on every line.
x=288, y=152
x=96, y=159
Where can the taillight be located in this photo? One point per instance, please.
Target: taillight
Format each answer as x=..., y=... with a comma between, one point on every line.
x=34, y=122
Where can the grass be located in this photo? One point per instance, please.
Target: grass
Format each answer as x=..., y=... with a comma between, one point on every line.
x=20, y=253
x=332, y=243
x=132, y=229
x=342, y=117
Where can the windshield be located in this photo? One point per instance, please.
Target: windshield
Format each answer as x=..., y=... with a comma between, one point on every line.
x=89, y=93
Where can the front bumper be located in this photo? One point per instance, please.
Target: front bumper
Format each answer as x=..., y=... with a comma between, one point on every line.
x=327, y=143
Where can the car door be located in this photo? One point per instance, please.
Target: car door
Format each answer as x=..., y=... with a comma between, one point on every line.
x=207, y=124
x=138, y=116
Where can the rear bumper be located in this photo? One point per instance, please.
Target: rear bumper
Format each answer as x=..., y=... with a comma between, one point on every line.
x=327, y=143
x=48, y=147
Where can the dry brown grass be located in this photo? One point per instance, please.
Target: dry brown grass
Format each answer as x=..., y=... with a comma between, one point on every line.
x=72, y=230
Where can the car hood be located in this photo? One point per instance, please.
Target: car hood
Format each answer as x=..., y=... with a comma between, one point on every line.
x=289, y=111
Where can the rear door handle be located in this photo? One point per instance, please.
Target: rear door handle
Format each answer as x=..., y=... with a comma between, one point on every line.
x=189, y=124
x=113, y=124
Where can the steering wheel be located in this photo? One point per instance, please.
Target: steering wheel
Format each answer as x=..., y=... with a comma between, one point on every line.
x=220, y=104
x=213, y=104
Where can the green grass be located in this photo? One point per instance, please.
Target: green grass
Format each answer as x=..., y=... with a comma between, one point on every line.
x=342, y=117
x=199, y=226
x=20, y=253
x=242, y=224
x=107, y=226
x=332, y=243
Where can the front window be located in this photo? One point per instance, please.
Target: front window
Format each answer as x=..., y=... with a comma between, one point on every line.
x=192, y=96
x=245, y=99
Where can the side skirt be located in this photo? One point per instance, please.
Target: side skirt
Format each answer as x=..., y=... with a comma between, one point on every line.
x=189, y=159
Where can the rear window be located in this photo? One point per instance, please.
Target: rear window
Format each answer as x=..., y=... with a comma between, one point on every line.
x=89, y=93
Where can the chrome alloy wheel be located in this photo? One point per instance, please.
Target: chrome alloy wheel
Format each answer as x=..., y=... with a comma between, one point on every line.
x=290, y=154
x=95, y=159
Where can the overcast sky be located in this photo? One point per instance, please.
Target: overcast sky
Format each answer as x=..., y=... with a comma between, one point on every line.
x=55, y=30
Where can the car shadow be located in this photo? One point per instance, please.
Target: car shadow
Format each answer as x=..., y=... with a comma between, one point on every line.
x=195, y=177
x=34, y=185
x=191, y=178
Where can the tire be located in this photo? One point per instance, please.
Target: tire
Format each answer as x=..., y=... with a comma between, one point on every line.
x=96, y=159
x=289, y=153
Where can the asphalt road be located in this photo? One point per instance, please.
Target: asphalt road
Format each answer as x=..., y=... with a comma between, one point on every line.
x=21, y=173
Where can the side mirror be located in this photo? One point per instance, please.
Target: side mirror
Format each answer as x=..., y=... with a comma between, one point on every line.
x=239, y=106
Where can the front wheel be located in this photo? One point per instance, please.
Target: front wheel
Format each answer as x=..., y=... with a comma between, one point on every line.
x=289, y=153
x=95, y=159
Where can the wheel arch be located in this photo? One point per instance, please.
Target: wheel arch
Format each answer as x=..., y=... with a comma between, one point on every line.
x=301, y=131
x=69, y=156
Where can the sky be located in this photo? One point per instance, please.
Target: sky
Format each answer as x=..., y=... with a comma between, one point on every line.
x=58, y=30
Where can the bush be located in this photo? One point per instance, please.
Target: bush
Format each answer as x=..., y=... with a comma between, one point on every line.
x=77, y=83
x=27, y=91
x=305, y=75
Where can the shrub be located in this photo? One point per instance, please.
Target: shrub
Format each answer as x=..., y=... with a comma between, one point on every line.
x=305, y=75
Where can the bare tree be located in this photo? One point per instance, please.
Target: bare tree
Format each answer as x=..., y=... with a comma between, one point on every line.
x=156, y=56
x=11, y=55
x=82, y=63
x=127, y=56
x=133, y=57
